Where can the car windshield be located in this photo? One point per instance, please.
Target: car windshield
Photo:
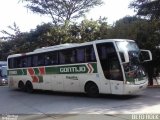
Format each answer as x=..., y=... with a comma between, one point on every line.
x=133, y=69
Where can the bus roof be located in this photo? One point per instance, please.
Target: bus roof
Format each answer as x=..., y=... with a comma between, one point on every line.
x=65, y=46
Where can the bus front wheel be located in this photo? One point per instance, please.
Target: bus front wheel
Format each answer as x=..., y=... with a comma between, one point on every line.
x=92, y=89
x=29, y=87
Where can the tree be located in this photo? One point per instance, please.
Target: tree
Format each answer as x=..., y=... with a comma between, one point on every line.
x=125, y=28
x=48, y=34
x=149, y=8
x=61, y=11
x=15, y=31
x=89, y=30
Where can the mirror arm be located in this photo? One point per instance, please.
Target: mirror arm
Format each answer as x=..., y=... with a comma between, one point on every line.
x=150, y=55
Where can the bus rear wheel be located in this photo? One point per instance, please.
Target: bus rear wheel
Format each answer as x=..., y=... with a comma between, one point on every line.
x=21, y=86
x=92, y=90
x=29, y=87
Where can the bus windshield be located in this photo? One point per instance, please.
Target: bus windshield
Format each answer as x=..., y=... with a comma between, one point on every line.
x=134, y=71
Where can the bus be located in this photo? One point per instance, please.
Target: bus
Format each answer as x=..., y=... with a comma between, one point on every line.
x=109, y=66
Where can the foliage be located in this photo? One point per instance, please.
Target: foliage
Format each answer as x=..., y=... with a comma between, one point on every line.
x=14, y=28
x=125, y=28
x=149, y=8
x=49, y=34
x=62, y=11
x=146, y=33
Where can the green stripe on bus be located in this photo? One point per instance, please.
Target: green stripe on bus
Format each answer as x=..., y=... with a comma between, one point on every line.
x=40, y=79
x=71, y=69
x=52, y=70
x=36, y=71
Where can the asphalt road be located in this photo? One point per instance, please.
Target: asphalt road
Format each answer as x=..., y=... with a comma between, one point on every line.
x=15, y=102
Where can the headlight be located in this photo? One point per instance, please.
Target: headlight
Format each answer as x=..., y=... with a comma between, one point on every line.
x=130, y=83
x=3, y=79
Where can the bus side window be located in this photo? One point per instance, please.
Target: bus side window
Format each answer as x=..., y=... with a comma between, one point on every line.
x=90, y=54
x=67, y=56
x=61, y=57
x=18, y=62
x=51, y=58
x=35, y=61
x=73, y=56
x=41, y=59
x=14, y=63
x=80, y=55
x=29, y=61
x=10, y=63
x=23, y=62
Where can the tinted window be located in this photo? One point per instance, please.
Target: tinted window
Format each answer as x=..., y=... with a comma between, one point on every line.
x=67, y=56
x=29, y=61
x=23, y=62
x=11, y=63
x=38, y=60
x=80, y=55
x=109, y=61
x=77, y=55
x=51, y=58
x=17, y=62
x=90, y=54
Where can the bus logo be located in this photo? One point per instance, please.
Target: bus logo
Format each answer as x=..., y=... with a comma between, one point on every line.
x=72, y=69
x=88, y=68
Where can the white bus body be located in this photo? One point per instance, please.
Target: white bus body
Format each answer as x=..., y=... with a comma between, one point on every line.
x=110, y=66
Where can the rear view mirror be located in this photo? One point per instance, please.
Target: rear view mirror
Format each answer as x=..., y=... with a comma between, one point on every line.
x=145, y=55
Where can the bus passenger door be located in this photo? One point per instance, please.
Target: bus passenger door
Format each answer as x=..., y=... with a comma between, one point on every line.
x=105, y=83
x=111, y=66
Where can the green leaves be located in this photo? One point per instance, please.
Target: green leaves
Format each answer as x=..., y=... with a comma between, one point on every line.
x=148, y=8
x=48, y=35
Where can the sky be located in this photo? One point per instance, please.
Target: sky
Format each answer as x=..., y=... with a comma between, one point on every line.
x=11, y=11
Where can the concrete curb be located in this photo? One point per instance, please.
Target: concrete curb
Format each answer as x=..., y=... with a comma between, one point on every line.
x=154, y=86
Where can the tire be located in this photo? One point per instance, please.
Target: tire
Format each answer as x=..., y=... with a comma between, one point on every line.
x=29, y=87
x=21, y=86
x=92, y=90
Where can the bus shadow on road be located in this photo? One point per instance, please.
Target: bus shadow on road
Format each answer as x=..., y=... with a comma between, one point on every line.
x=81, y=95
x=119, y=97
